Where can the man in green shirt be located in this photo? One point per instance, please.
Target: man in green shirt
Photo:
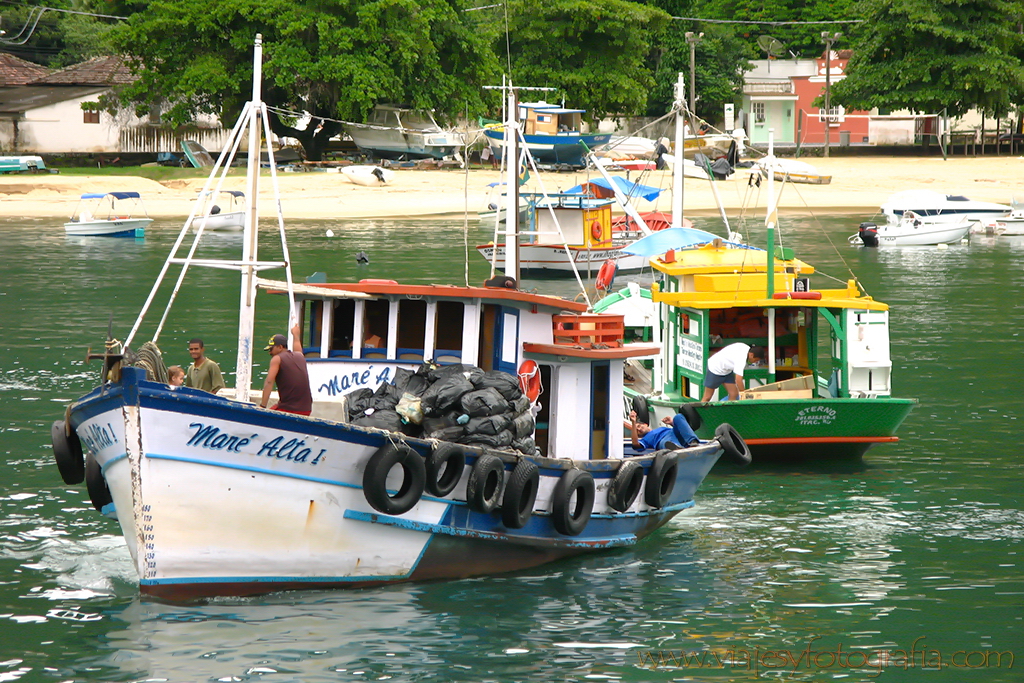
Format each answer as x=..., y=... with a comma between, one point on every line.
x=203, y=373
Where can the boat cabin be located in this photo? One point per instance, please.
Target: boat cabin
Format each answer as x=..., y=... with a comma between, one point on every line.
x=578, y=357
x=826, y=342
x=541, y=118
x=387, y=116
x=584, y=221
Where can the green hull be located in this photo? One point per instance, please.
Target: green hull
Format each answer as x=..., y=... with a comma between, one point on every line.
x=801, y=429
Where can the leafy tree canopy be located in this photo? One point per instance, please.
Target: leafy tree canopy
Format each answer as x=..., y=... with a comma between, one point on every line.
x=595, y=51
x=335, y=60
x=930, y=55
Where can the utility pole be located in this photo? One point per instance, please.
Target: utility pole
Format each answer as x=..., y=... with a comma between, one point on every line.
x=693, y=38
x=828, y=38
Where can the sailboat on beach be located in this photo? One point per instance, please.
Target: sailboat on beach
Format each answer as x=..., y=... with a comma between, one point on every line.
x=455, y=431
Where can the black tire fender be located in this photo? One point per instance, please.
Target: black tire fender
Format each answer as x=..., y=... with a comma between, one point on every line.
x=736, y=449
x=625, y=485
x=661, y=479
x=520, y=494
x=67, y=452
x=445, y=465
x=693, y=418
x=642, y=410
x=99, y=494
x=570, y=519
x=483, y=490
x=375, y=476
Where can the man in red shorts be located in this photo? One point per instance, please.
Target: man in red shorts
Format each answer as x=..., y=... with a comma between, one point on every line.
x=288, y=370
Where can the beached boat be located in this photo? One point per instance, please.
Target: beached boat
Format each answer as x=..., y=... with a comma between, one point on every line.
x=937, y=206
x=21, y=164
x=385, y=481
x=118, y=221
x=793, y=171
x=213, y=217
x=393, y=132
x=825, y=392
x=552, y=134
x=368, y=175
x=912, y=230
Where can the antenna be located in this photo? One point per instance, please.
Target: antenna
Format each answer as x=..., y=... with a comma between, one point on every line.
x=772, y=47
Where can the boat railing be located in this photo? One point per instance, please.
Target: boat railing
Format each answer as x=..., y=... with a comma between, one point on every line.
x=577, y=330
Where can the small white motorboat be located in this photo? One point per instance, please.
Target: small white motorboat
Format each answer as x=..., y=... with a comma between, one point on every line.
x=369, y=175
x=913, y=230
x=118, y=222
x=937, y=207
x=1012, y=224
x=212, y=217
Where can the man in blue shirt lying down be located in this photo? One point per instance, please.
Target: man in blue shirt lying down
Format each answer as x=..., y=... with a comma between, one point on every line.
x=674, y=435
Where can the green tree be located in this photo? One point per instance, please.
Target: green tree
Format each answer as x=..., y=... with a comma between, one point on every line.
x=930, y=55
x=334, y=60
x=595, y=51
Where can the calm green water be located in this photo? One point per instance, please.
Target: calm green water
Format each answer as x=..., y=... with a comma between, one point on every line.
x=924, y=540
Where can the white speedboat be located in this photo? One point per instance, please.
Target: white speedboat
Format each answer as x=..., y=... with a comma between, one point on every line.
x=1012, y=224
x=118, y=220
x=213, y=217
x=938, y=207
x=368, y=175
x=912, y=230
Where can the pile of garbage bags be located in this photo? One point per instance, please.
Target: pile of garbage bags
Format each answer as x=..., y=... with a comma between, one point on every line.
x=458, y=403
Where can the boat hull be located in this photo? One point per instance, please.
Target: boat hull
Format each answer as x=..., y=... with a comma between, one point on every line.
x=818, y=429
x=394, y=143
x=926, y=234
x=229, y=221
x=549, y=260
x=218, y=497
x=127, y=227
x=564, y=148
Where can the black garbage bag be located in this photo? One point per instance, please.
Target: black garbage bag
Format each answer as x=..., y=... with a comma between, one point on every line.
x=492, y=424
x=506, y=384
x=523, y=425
x=444, y=371
x=526, y=446
x=358, y=401
x=453, y=434
x=499, y=440
x=401, y=379
x=386, y=397
x=449, y=419
x=520, y=405
x=443, y=394
x=381, y=419
x=483, y=402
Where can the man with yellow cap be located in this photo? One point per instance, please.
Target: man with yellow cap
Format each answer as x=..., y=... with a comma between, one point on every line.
x=288, y=371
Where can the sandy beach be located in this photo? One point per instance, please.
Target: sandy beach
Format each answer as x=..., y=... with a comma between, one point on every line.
x=859, y=185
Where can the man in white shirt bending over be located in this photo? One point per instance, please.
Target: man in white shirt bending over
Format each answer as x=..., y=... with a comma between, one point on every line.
x=726, y=368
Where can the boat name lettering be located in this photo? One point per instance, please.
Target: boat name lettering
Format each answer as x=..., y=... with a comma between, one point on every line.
x=208, y=436
x=344, y=383
x=274, y=449
x=97, y=437
x=816, y=415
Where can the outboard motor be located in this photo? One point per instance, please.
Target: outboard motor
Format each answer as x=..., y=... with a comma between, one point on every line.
x=868, y=234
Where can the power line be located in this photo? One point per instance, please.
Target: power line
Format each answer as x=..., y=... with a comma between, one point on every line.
x=769, y=23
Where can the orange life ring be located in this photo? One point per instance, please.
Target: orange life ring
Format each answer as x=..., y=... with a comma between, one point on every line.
x=606, y=275
x=595, y=230
x=529, y=380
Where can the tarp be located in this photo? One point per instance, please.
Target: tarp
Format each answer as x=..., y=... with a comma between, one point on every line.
x=627, y=187
x=115, y=195
x=670, y=238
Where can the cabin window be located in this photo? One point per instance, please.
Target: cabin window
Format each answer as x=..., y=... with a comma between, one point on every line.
x=375, y=324
x=412, y=328
x=448, y=330
x=314, y=314
x=543, y=416
x=341, y=330
x=600, y=376
x=90, y=117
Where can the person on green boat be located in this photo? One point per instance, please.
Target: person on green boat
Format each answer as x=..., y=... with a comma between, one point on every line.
x=725, y=368
x=675, y=434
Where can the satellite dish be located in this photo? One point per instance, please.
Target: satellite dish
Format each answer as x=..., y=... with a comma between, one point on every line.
x=772, y=47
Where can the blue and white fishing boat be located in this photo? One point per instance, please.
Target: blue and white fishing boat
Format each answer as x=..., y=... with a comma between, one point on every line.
x=217, y=496
x=118, y=221
x=553, y=134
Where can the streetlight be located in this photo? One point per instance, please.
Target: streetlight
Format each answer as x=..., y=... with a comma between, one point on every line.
x=693, y=38
x=828, y=39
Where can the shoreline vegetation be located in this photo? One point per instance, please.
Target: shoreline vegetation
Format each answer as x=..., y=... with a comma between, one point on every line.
x=859, y=185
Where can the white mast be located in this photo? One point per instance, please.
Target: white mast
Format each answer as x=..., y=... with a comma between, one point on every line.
x=677, y=176
x=246, y=310
x=511, y=155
